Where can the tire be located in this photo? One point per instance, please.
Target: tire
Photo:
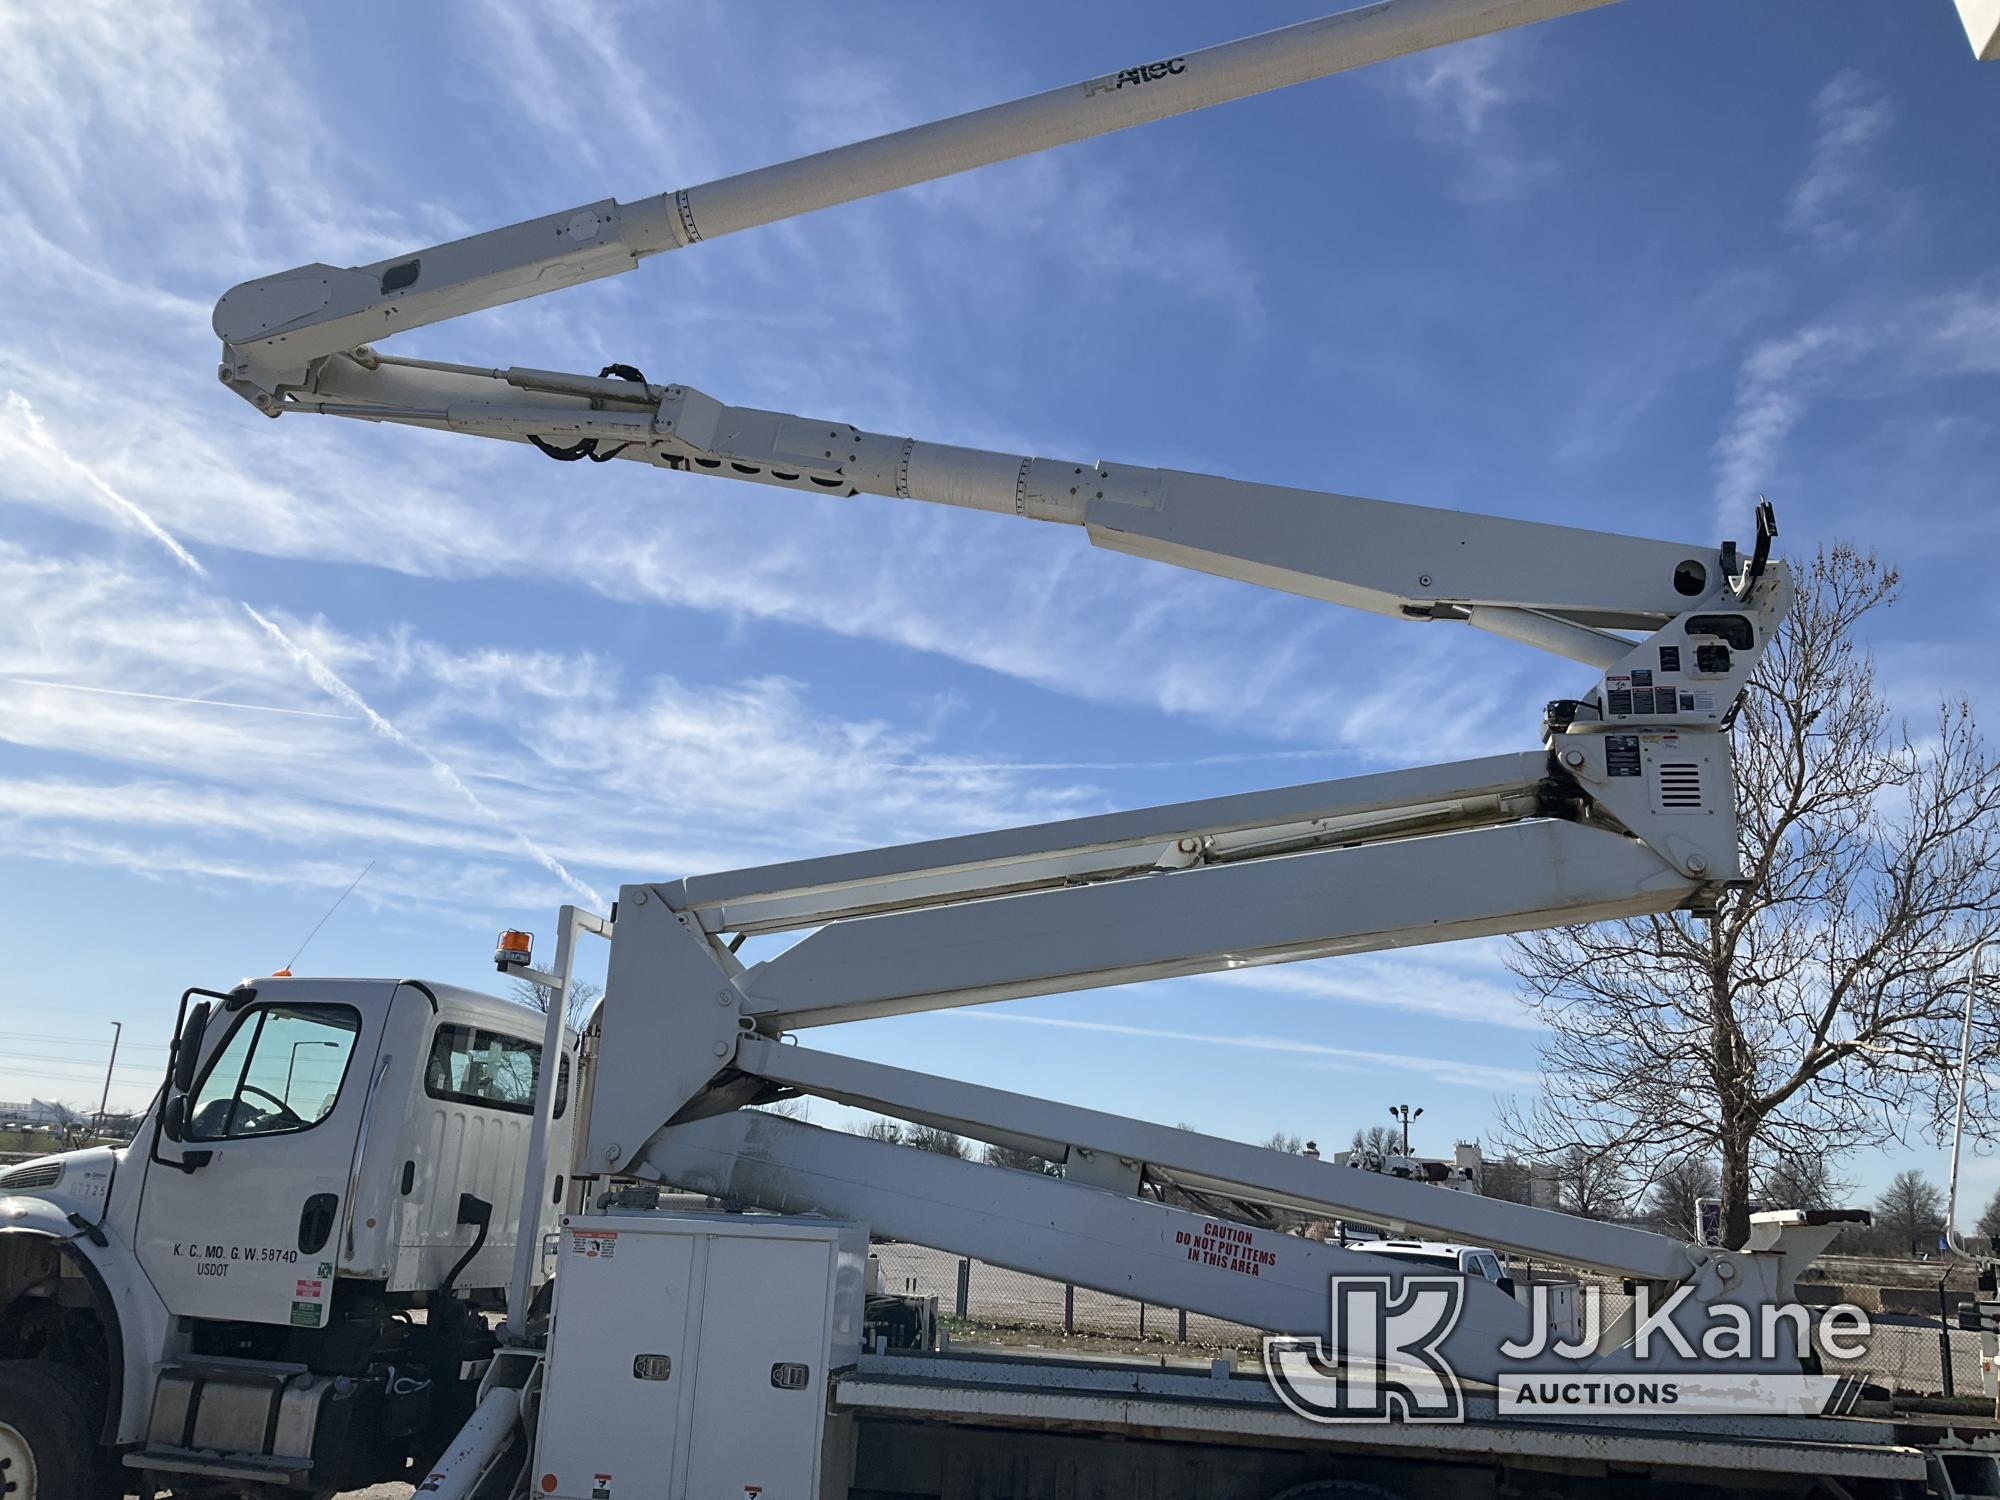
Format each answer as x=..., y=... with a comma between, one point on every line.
x=48, y=1444
x=89, y=1397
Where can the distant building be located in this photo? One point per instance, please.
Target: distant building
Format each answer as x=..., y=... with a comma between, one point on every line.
x=34, y=1112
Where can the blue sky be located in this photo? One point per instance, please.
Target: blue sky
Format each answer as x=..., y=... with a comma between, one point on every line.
x=1625, y=270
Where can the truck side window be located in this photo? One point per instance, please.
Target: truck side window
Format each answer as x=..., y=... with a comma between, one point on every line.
x=471, y=1066
x=280, y=1072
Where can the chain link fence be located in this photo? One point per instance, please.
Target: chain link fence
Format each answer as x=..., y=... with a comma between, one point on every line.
x=988, y=1298
x=1905, y=1352
x=1902, y=1352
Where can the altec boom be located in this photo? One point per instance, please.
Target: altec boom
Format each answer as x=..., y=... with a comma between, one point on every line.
x=232, y=1298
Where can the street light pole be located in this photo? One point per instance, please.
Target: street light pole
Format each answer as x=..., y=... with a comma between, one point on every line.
x=1403, y=1112
x=104, y=1101
x=1964, y=1067
x=295, y=1062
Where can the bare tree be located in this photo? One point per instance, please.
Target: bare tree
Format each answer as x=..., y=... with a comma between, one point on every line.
x=1021, y=1161
x=72, y=1127
x=582, y=997
x=1384, y=1140
x=924, y=1137
x=1507, y=1179
x=1909, y=1214
x=1279, y=1140
x=1989, y=1222
x=1817, y=1011
x=1674, y=1195
x=937, y=1141
x=1802, y=1182
x=1589, y=1182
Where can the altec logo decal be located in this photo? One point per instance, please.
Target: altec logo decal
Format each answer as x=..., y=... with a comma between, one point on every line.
x=1151, y=72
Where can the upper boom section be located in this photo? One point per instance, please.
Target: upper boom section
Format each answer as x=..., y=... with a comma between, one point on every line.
x=1559, y=588
x=275, y=327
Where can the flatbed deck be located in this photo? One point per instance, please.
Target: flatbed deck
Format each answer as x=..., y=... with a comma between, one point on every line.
x=1139, y=1400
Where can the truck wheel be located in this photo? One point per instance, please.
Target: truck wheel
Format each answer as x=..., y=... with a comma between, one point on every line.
x=48, y=1449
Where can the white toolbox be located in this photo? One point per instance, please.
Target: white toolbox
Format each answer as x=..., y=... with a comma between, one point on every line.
x=690, y=1353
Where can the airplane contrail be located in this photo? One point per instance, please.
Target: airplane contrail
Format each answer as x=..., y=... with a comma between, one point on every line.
x=262, y=708
x=20, y=404
x=323, y=676
x=331, y=683
x=1441, y=1067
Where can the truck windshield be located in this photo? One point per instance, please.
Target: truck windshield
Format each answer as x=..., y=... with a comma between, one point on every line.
x=280, y=1071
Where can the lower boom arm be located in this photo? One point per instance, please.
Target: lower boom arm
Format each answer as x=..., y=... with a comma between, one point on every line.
x=1395, y=859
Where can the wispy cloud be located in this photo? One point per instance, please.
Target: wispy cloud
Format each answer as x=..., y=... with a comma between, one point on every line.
x=1465, y=982
x=654, y=777
x=1660, y=343
x=322, y=676
x=262, y=708
x=1440, y=1069
x=1468, y=99
x=1837, y=190
x=19, y=409
x=1872, y=352
x=336, y=687
x=983, y=591
x=77, y=80
x=1773, y=390
x=533, y=54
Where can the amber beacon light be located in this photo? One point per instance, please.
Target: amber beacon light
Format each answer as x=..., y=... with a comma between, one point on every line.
x=514, y=950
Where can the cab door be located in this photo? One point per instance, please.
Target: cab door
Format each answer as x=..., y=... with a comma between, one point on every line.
x=252, y=1233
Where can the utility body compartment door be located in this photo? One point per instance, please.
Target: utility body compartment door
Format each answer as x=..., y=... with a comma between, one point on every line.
x=690, y=1354
x=254, y=1235
x=620, y=1387
x=760, y=1391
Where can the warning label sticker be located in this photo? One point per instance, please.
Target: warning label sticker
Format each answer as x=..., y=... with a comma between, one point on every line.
x=595, y=1244
x=1226, y=1247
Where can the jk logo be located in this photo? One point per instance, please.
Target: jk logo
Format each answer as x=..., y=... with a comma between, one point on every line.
x=1380, y=1359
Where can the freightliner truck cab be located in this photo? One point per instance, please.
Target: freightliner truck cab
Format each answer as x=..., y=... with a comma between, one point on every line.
x=282, y=1279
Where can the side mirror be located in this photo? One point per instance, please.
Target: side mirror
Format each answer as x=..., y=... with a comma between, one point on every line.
x=187, y=1051
x=174, y=1120
x=1506, y=1284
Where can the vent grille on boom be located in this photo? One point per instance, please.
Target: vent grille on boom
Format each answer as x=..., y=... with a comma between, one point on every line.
x=1680, y=784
